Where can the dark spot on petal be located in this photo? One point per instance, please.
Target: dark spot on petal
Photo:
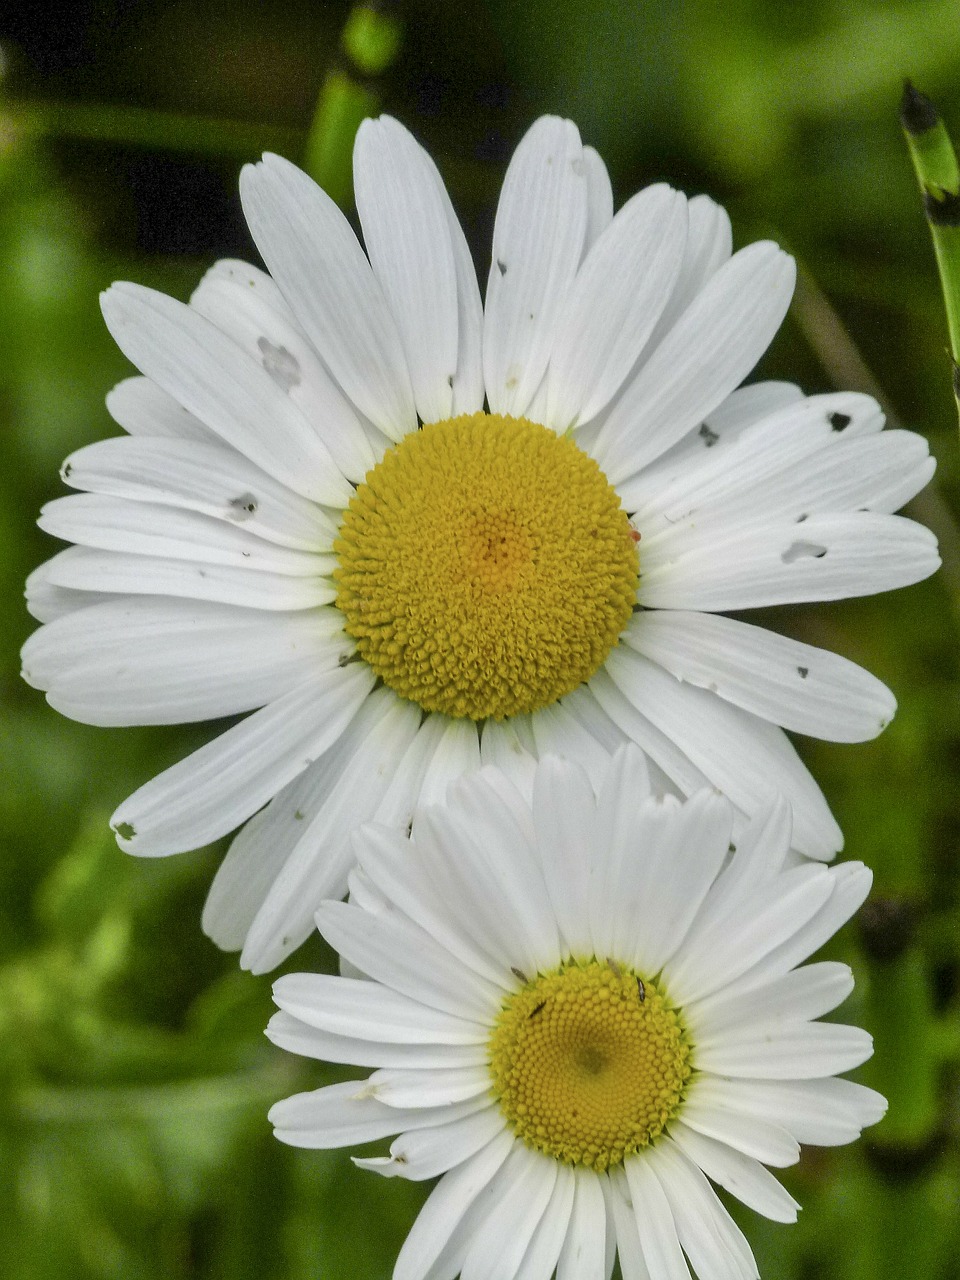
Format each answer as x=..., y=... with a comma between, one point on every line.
x=708, y=436
x=242, y=507
x=298, y=815
x=839, y=421
x=501, y=266
x=803, y=672
x=125, y=830
x=803, y=551
x=518, y=973
x=805, y=516
x=66, y=469
x=282, y=367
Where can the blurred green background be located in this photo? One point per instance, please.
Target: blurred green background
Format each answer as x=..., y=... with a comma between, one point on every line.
x=134, y=1076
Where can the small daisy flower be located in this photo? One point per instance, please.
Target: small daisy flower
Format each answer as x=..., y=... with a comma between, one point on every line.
x=414, y=533
x=579, y=1011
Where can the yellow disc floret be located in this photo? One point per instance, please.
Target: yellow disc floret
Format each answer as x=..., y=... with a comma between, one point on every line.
x=589, y=1063
x=486, y=567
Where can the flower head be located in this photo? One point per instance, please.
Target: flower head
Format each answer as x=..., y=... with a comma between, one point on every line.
x=414, y=533
x=580, y=1009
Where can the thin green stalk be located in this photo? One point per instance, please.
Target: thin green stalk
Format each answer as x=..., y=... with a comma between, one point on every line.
x=938, y=174
x=369, y=44
x=144, y=127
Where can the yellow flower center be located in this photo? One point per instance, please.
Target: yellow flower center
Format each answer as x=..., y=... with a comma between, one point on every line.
x=486, y=567
x=589, y=1063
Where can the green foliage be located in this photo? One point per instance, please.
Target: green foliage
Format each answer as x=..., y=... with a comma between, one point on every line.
x=134, y=1075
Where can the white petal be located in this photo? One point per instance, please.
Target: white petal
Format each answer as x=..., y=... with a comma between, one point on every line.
x=490, y=919
x=709, y=243
x=209, y=478
x=429, y=881
x=341, y=1115
x=537, y=242
x=614, y=303
x=758, y=479
x=655, y=1224
x=312, y=253
x=493, y=826
x=144, y=409
x=321, y=857
x=745, y=757
x=223, y=783
x=708, y=352
x=502, y=748
x=246, y=304
x=457, y=753
x=582, y=1256
x=636, y=727
x=369, y=1011
x=147, y=528
x=599, y=197
x=558, y=732
x=407, y=235
x=795, y=685
x=828, y=557
x=804, y=993
x=210, y=375
x=794, y=1052
x=425, y=1153
x=850, y=884
x=47, y=603
x=728, y=473
x=543, y=1252
x=769, y=1143
x=259, y=851
x=526, y=1186
x=88, y=569
x=406, y=959
x=826, y=1112
x=772, y=913
x=761, y=849
x=624, y=1227
x=564, y=812
x=723, y=424
x=450, y=1199
x=310, y=1042
x=430, y=1087
x=741, y=1175
x=682, y=876
x=715, y=1245
x=163, y=661
x=398, y=806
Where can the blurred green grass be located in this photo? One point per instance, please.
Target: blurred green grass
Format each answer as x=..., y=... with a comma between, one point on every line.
x=134, y=1076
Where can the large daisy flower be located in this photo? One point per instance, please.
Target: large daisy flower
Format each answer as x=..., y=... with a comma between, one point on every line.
x=580, y=1011
x=415, y=533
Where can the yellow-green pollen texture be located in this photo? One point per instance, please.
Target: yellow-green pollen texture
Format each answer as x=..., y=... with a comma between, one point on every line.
x=486, y=567
x=589, y=1063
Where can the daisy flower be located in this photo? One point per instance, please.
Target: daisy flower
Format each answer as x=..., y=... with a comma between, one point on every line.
x=579, y=1011
x=414, y=533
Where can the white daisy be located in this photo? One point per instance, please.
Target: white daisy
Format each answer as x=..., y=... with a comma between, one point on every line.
x=404, y=602
x=577, y=1009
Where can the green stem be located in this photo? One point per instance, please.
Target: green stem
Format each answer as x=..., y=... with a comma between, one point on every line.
x=144, y=127
x=935, y=162
x=369, y=44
